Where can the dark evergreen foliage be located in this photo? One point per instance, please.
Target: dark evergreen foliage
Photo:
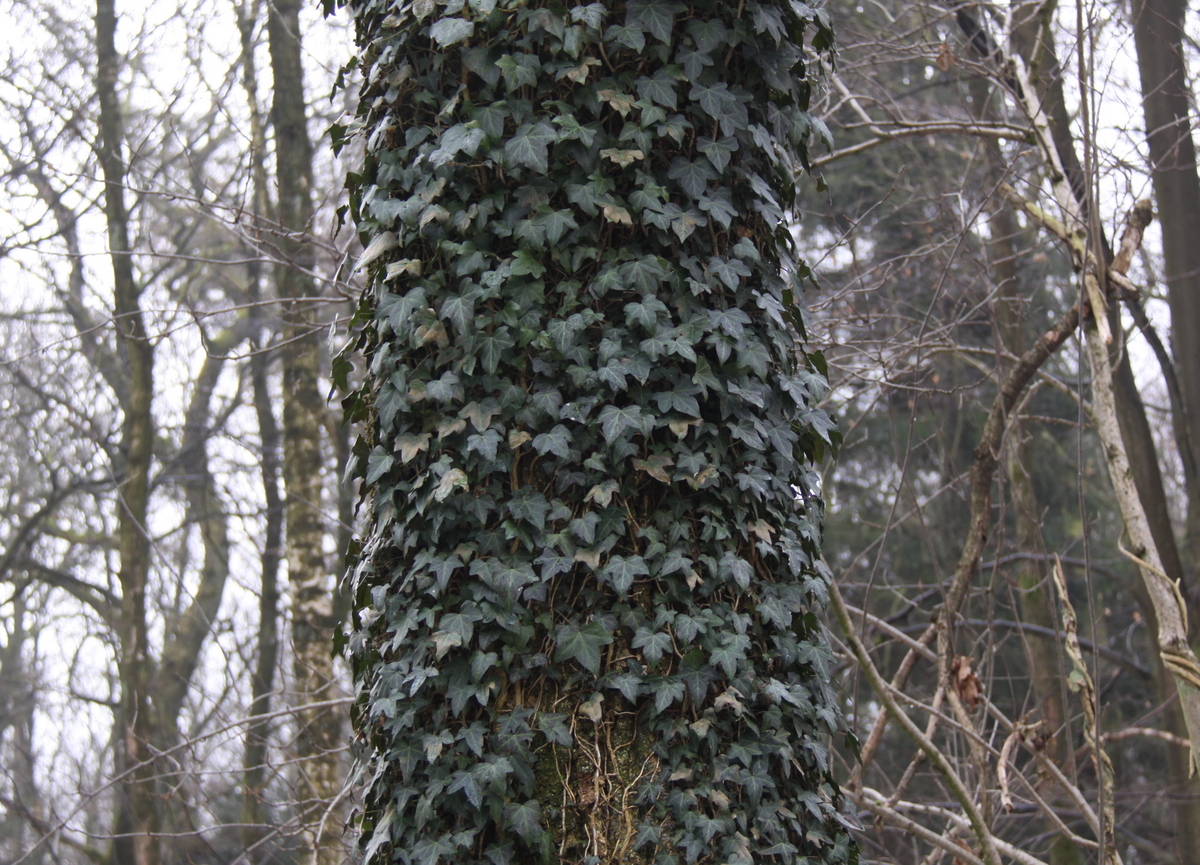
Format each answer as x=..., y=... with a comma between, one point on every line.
x=586, y=596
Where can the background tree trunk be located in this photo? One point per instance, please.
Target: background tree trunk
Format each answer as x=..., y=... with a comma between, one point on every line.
x=1166, y=101
x=135, y=716
x=319, y=741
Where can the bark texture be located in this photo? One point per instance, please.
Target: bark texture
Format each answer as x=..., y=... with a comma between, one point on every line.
x=319, y=740
x=135, y=716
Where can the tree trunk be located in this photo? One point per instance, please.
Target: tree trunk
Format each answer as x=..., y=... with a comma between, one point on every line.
x=1130, y=414
x=135, y=716
x=319, y=741
x=1035, y=599
x=1166, y=98
x=585, y=598
x=255, y=777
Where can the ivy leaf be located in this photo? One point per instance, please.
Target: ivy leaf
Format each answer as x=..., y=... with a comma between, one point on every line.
x=621, y=571
x=622, y=157
x=656, y=16
x=733, y=567
x=382, y=835
x=486, y=443
x=709, y=35
x=686, y=224
x=390, y=401
x=451, y=481
x=492, y=346
x=459, y=138
x=619, y=215
x=448, y=31
x=592, y=15
x=643, y=275
x=729, y=271
x=527, y=263
x=554, y=728
x=379, y=463
x=660, y=88
x=712, y=97
x=645, y=312
x=602, y=494
x=693, y=61
x=459, y=310
x=408, y=446
x=718, y=204
x=555, y=223
x=652, y=643
x=530, y=506
x=430, y=852
x=491, y=118
x=584, y=527
x=692, y=176
x=731, y=321
x=557, y=442
x=769, y=20
x=629, y=684
x=582, y=644
x=519, y=69
x=630, y=37
x=528, y=147
x=525, y=819
x=615, y=420
x=461, y=624
x=656, y=466
x=666, y=692
x=729, y=653
x=718, y=152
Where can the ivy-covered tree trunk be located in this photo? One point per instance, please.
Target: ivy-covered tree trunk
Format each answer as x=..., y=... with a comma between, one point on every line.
x=586, y=594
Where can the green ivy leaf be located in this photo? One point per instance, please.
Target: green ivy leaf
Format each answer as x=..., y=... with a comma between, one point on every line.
x=718, y=152
x=581, y=643
x=615, y=420
x=631, y=37
x=709, y=35
x=557, y=442
x=525, y=819
x=659, y=88
x=519, y=69
x=379, y=463
x=621, y=571
x=651, y=643
x=529, y=145
x=657, y=16
x=692, y=176
x=459, y=138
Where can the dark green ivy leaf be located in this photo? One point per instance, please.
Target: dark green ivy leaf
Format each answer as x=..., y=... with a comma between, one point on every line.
x=582, y=644
x=528, y=147
x=652, y=643
x=615, y=420
x=621, y=571
x=657, y=16
x=718, y=151
x=709, y=35
x=692, y=176
x=524, y=819
x=660, y=88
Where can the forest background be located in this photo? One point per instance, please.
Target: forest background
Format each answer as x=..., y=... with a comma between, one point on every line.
x=173, y=518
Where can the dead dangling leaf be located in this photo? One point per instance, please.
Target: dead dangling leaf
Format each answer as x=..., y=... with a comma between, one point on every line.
x=966, y=683
x=945, y=57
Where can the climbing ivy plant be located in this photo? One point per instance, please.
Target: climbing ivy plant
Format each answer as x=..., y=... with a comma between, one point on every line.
x=587, y=589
